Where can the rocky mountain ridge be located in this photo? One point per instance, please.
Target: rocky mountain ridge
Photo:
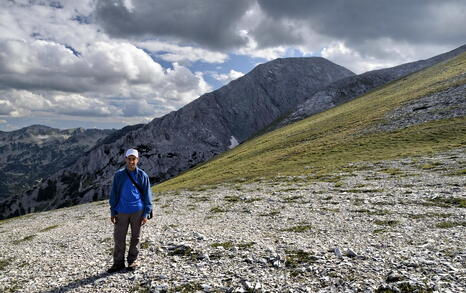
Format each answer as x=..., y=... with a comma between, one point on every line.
x=351, y=87
x=208, y=126
x=32, y=153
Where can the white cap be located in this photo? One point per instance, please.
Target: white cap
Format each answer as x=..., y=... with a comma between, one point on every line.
x=132, y=152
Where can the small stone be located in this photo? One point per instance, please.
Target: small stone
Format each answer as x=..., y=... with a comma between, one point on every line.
x=206, y=288
x=262, y=261
x=199, y=236
x=161, y=277
x=248, y=260
x=350, y=253
x=394, y=277
x=247, y=285
x=337, y=252
x=258, y=286
x=204, y=256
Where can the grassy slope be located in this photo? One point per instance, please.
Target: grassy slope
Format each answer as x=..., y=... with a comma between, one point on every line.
x=328, y=141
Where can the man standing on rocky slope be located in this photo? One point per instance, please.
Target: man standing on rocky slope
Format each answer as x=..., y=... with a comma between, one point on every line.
x=130, y=205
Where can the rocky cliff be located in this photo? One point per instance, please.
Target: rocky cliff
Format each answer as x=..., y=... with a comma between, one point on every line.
x=169, y=145
x=351, y=87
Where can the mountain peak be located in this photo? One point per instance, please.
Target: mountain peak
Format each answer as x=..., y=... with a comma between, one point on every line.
x=206, y=127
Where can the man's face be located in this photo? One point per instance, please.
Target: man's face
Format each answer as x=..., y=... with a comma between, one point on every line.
x=131, y=162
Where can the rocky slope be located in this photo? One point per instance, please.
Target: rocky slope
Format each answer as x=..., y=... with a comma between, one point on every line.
x=351, y=87
x=389, y=226
x=32, y=153
x=208, y=126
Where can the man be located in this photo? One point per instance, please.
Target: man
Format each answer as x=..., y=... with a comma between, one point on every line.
x=130, y=205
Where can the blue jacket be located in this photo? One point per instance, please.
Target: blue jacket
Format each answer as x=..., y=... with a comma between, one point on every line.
x=142, y=179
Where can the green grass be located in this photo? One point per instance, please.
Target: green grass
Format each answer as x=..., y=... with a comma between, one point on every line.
x=450, y=224
x=4, y=263
x=461, y=172
x=246, y=245
x=429, y=215
x=140, y=288
x=294, y=258
x=386, y=222
x=331, y=140
x=27, y=238
x=363, y=190
x=187, y=287
x=232, y=198
x=458, y=202
x=270, y=214
x=49, y=228
x=298, y=228
x=226, y=245
x=218, y=209
x=405, y=287
x=145, y=244
x=292, y=198
x=379, y=231
x=372, y=212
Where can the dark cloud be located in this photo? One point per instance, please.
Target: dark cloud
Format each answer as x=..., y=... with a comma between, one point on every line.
x=209, y=23
x=416, y=21
x=272, y=32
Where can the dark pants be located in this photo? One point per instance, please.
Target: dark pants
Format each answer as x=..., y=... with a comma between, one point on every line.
x=119, y=236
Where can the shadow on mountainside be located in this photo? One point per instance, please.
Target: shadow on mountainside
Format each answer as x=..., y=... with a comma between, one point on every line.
x=81, y=282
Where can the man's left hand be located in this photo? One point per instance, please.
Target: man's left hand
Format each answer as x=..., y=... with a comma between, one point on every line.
x=144, y=221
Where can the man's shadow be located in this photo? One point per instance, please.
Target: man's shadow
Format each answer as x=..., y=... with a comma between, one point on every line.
x=82, y=282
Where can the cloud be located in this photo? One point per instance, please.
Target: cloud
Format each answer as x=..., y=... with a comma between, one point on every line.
x=138, y=108
x=78, y=105
x=207, y=23
x=182, y=54
x=232, y=75
x=6, y=107
x=79, y=86
x=358, y=21
x=386, y=53
x=131, y=61
x=102, y=66
x=49, y=22
x=46, y=71
x=376, y=33
x=26, y=103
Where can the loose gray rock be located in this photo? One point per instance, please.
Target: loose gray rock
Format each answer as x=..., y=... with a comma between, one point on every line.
x=72, y=247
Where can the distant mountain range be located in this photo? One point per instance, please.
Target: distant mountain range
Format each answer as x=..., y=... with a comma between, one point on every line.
x=33, y=153
x=271, y=95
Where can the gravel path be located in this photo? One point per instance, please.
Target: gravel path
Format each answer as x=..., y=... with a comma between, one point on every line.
x=397, y=226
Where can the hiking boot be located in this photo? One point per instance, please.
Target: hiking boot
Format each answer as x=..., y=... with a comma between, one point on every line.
x=133, y=266
x=116, y=268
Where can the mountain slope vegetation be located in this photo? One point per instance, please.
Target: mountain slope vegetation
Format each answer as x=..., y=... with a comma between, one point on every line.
x=332, y=140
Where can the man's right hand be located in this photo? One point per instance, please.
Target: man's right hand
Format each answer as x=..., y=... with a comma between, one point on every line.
x=113, y=219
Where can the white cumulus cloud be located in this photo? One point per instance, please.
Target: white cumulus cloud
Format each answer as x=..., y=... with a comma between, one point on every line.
x=60, y=63
x=227, y=77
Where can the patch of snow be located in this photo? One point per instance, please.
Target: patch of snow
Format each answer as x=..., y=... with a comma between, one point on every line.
x=233, y=142
x=40, y=139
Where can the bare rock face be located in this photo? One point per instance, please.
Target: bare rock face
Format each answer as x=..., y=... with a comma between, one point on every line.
x=169, y=145
x=32, y=153
x=352, y=87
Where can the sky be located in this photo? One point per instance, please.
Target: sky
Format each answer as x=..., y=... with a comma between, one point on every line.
x=108, y=64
